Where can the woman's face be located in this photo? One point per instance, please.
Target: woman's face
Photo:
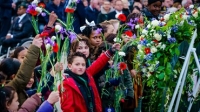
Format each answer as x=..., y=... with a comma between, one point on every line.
x=155, y=8
x=83, y=48
x=95, y=39
x=22, y=55
x=13, y=107
x=31, y=81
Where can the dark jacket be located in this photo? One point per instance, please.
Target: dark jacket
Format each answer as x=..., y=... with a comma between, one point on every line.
x=24, y=73
x=5, y=8
x=23, y=29
x=91, y=15
x=59, y=10
x=148, y=14
x=79, y=17
x=103, y=15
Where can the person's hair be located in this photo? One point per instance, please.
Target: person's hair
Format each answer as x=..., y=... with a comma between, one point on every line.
x=117, y=1
x=110, y=38
x=17, y=51
x=105, y=24
x=103, y=47
x=71, y=57
x=176, y=4
x=75, y=43
x=6, y=97
x=88, y=30
x=9, y=66
x=136, y=7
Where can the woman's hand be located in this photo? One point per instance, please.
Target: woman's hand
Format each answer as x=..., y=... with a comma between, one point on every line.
x=37, y=41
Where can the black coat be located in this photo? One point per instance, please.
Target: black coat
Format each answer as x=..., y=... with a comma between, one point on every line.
x=23, y=29
x=91, y=15
x=5, y=8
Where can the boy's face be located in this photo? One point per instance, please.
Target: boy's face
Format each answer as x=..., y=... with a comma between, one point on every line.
x=78, y=66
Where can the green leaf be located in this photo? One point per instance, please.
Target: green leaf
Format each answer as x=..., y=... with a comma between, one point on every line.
x=177, y=52
x=161, y=76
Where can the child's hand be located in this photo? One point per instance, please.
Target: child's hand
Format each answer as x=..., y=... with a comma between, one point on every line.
x=39, y=94
x=116, y=46
x=52, y=18
x=37, y=41
x=53, y=97
x=58, y=67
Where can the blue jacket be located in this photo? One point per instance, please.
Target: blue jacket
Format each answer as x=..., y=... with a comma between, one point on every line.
x=45, y=107
x=91, y=15
x=59, y=10
x=5, y=8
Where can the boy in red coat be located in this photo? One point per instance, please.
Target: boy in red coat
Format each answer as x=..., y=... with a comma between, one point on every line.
x=80, y=93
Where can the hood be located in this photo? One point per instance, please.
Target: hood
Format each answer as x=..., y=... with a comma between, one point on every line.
x=104, y=12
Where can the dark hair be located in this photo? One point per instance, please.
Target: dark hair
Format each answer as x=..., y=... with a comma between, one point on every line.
x=75, y=43
x=88, y=30
x=9, y=66
x=17, y=51
x=136, y=7
x=71, y=57
x=103, y=47
x=110, y=38
x=6, y=97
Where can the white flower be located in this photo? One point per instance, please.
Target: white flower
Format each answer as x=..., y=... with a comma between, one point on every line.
x=185, y=16
x=191, y=6
x=166, y=17
x=47, y=46
x=198, y=8
x=151, y=68
x=155, y=23
x=139, y=46
x=121, y=53
x=53, y=38
x=144, y=31
x=158, y=37
x=148, y=45
x=195, y=14
x=117, y=40
x=38, y=9
x=148, y=26
x=148, y=74
x=58, y=28
x=163, y=23
x=117, y=15
x=163, y=46
x=153, y=49
x=137, y=26
x=144, y=70
x=35, y=2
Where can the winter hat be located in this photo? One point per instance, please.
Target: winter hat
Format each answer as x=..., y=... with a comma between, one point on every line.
x=153, y=1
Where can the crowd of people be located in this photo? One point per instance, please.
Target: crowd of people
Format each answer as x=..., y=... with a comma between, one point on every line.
x=86, y=87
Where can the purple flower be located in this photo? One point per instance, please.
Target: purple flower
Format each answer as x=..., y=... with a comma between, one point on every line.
x=131, y=24
x=171, y=40
x=43, y=14
x=30, y=7
x=49, y=41
x=72, y=36
x=98, y=31
x=134, y=36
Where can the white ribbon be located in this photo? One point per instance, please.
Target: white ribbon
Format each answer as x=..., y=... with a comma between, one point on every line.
x=89, y=23
x=82, y=28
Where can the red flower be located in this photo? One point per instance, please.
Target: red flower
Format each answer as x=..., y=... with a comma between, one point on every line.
x=122, y=66
x=129, y=33
x=155, y=41
x=55, y=48
x=162, y=19
x=44, y=34
x=41, y=4
x=140, y=21
x=122, y=17
x=69, y=10
x=122, y=100
x=147, y=50
x=33, y=12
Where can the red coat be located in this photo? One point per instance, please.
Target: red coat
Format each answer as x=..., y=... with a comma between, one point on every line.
x=72, y=99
